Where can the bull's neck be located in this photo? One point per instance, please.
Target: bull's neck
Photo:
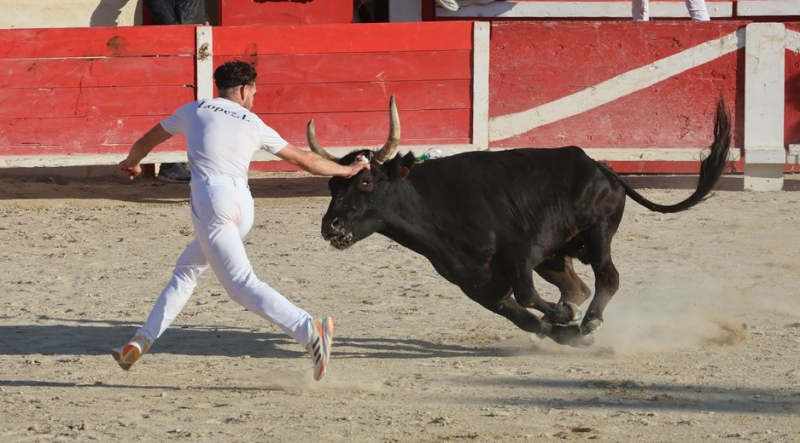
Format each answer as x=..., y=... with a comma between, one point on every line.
x=413, y=225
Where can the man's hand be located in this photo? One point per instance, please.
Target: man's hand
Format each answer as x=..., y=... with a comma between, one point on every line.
x=359, y=164
x=131, y=170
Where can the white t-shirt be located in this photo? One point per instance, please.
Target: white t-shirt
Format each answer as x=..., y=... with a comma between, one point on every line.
x=221, y=136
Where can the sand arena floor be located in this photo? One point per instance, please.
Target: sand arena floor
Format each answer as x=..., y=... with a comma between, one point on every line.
x=702, y=342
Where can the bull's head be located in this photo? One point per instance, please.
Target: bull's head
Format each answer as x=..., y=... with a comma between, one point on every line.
x=358, y=204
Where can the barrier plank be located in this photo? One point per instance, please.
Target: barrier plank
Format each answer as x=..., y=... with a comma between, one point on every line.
x=356, y=128
x=94, y=72
x=343, y=97
x=353, y=38
x=611, y=84
x=248, y=12
x=327, y=68
x=97, y=42
x=75, y=133
x=92, y=102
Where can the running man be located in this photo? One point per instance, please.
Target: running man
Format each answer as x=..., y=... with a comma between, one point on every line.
x=222, y=135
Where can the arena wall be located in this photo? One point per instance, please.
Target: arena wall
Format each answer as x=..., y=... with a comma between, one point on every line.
x=638, y=95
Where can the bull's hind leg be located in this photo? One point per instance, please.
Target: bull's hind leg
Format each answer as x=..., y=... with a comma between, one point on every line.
x=559, y=272
x=605, y=275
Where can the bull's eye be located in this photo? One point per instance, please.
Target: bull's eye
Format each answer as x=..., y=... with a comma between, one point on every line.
x=365, y=184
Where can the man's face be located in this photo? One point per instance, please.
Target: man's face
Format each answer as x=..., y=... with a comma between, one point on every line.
x=249, y=93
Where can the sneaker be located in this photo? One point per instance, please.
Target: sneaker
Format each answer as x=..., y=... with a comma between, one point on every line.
x=320, y=346
x=127, y=355
x=450, y=5
x=174, y=173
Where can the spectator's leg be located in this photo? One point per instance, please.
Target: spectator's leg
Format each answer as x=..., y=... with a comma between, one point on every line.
x=191, y=12
x=163, y=11
x=640, y=10
x=697, y=10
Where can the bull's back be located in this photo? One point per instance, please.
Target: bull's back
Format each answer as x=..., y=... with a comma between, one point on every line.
x=514, y=192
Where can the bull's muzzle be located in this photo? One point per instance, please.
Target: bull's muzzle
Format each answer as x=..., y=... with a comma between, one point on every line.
x=334, y=232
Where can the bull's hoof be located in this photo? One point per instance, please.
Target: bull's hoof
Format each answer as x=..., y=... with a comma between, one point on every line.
x=570, y=335
x=565, y=313
x=590, y=326
x=576, y=312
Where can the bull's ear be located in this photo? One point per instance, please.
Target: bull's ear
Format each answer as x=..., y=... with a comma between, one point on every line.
x=400, y=167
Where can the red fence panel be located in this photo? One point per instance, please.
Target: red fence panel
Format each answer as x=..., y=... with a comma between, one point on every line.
x=612, y=84
x=343, y=76
x=792, y=110
x=91, y=90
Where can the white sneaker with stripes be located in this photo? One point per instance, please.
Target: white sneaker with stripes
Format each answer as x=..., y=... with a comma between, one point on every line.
x=320, y=346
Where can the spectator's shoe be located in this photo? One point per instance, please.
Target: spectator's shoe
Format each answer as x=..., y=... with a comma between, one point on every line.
x=450, y=5
x=174, y=173
x=127, y=355
x=320, y=346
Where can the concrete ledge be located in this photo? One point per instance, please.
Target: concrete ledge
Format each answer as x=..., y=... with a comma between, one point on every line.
x=793, y=156
x=774, y=155
x=582, y=9
x=752, y=8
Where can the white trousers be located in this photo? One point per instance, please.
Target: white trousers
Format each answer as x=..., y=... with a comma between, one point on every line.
x=222, y=214
x=640, y=10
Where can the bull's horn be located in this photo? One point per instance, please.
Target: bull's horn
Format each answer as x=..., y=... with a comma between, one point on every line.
x=311, y=135
x=387, y=151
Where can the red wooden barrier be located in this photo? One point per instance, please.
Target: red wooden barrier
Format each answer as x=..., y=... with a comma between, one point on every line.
x=792, y=110
x=90, y=90
x=343, y=76
x=538, y=64
x=284, y=12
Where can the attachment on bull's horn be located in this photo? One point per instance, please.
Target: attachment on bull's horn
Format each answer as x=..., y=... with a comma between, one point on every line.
x=387, y=150
x=311, y=136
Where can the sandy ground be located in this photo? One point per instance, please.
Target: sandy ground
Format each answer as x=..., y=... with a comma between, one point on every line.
x=701, y=341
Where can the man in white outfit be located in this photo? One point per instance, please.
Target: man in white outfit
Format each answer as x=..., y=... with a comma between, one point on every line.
x=222, y=135
x=640, y=10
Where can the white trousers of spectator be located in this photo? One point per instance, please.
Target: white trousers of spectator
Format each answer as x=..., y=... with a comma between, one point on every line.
x=640, y=10
x=222, y=214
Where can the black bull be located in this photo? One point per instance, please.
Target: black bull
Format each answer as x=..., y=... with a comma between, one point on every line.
x=486, y=219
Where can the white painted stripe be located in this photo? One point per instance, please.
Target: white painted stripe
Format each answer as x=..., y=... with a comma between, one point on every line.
x=793, y=40
x=619, y=9
x=480, y=85
x=750, y=8
x=204, y=59
x=507, y=126
x=601, y=154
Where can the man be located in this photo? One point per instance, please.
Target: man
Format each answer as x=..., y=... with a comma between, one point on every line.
x=222, y=135
x=176, y=12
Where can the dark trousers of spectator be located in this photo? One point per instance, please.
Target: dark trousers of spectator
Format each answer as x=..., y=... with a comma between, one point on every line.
x=177, y=12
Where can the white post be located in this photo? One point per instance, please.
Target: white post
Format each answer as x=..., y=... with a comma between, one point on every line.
x=764, y=151
x=204, y=59
x=480, y=84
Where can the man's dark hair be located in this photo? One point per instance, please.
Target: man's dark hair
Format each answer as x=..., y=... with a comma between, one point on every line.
x=236, y=73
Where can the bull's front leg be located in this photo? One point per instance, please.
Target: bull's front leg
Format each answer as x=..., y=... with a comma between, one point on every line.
x=525, y=293
x=524, y=319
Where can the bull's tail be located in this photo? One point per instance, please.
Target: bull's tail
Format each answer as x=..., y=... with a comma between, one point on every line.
x=711, y=168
